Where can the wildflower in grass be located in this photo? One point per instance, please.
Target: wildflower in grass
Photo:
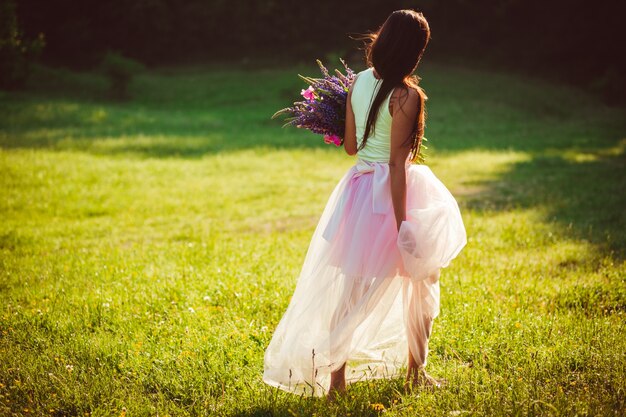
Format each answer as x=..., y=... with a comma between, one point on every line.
x=191, y=310
x=518, y=325
x=378, y=407
x=69, y=367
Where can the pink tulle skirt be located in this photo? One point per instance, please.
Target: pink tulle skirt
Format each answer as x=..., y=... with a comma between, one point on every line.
x=365, y=287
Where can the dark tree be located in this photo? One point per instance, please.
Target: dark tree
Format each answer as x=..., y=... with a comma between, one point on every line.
x=578, y=40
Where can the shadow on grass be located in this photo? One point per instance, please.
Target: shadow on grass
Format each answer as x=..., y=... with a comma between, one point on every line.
x=187, y=114
x=576, y=170
x=585, y=196
x=193, y=112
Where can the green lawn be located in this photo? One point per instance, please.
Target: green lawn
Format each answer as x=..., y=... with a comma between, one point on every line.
x=148, y=249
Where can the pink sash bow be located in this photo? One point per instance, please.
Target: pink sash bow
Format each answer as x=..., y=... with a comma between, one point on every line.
x=381, y=195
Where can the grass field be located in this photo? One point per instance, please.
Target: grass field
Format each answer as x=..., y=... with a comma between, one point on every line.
x=148, y=249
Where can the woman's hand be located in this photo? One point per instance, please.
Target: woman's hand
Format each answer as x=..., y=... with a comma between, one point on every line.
x=405, y=105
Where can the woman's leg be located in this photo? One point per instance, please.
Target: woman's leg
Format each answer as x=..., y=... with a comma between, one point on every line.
x=419, y=328
x=354, y=289
x=418, y=351
x=337, y=382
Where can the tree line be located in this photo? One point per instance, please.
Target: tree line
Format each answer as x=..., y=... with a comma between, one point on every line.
x=581, y=39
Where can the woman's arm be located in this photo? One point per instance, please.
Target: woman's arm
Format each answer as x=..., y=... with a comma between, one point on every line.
x=349, y=141
x=405, y=103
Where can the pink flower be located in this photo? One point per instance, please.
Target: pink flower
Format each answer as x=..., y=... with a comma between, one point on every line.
x=309, y=93
x=334, y=139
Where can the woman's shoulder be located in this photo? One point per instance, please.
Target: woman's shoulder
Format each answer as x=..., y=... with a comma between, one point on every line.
x=405, y=93
x=405, y=98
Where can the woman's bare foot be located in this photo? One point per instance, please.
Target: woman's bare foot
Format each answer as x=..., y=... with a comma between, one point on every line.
x=419, y=377
x=337, y=383
x=334, y=392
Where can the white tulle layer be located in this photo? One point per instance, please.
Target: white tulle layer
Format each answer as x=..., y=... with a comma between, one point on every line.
x=366, y=293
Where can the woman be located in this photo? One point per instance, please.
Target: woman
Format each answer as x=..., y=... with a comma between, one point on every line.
x=369, y=286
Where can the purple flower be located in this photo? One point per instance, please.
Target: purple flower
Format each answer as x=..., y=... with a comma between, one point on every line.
x=324, y=109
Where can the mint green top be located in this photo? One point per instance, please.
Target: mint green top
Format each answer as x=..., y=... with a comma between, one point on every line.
x=378, y=146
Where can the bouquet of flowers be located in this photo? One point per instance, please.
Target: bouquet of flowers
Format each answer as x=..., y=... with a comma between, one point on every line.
x=323, y=110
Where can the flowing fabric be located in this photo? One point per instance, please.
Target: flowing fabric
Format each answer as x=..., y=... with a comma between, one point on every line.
x=367, y=294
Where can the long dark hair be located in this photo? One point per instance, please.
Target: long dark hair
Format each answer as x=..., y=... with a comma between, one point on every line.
x=395, y=51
